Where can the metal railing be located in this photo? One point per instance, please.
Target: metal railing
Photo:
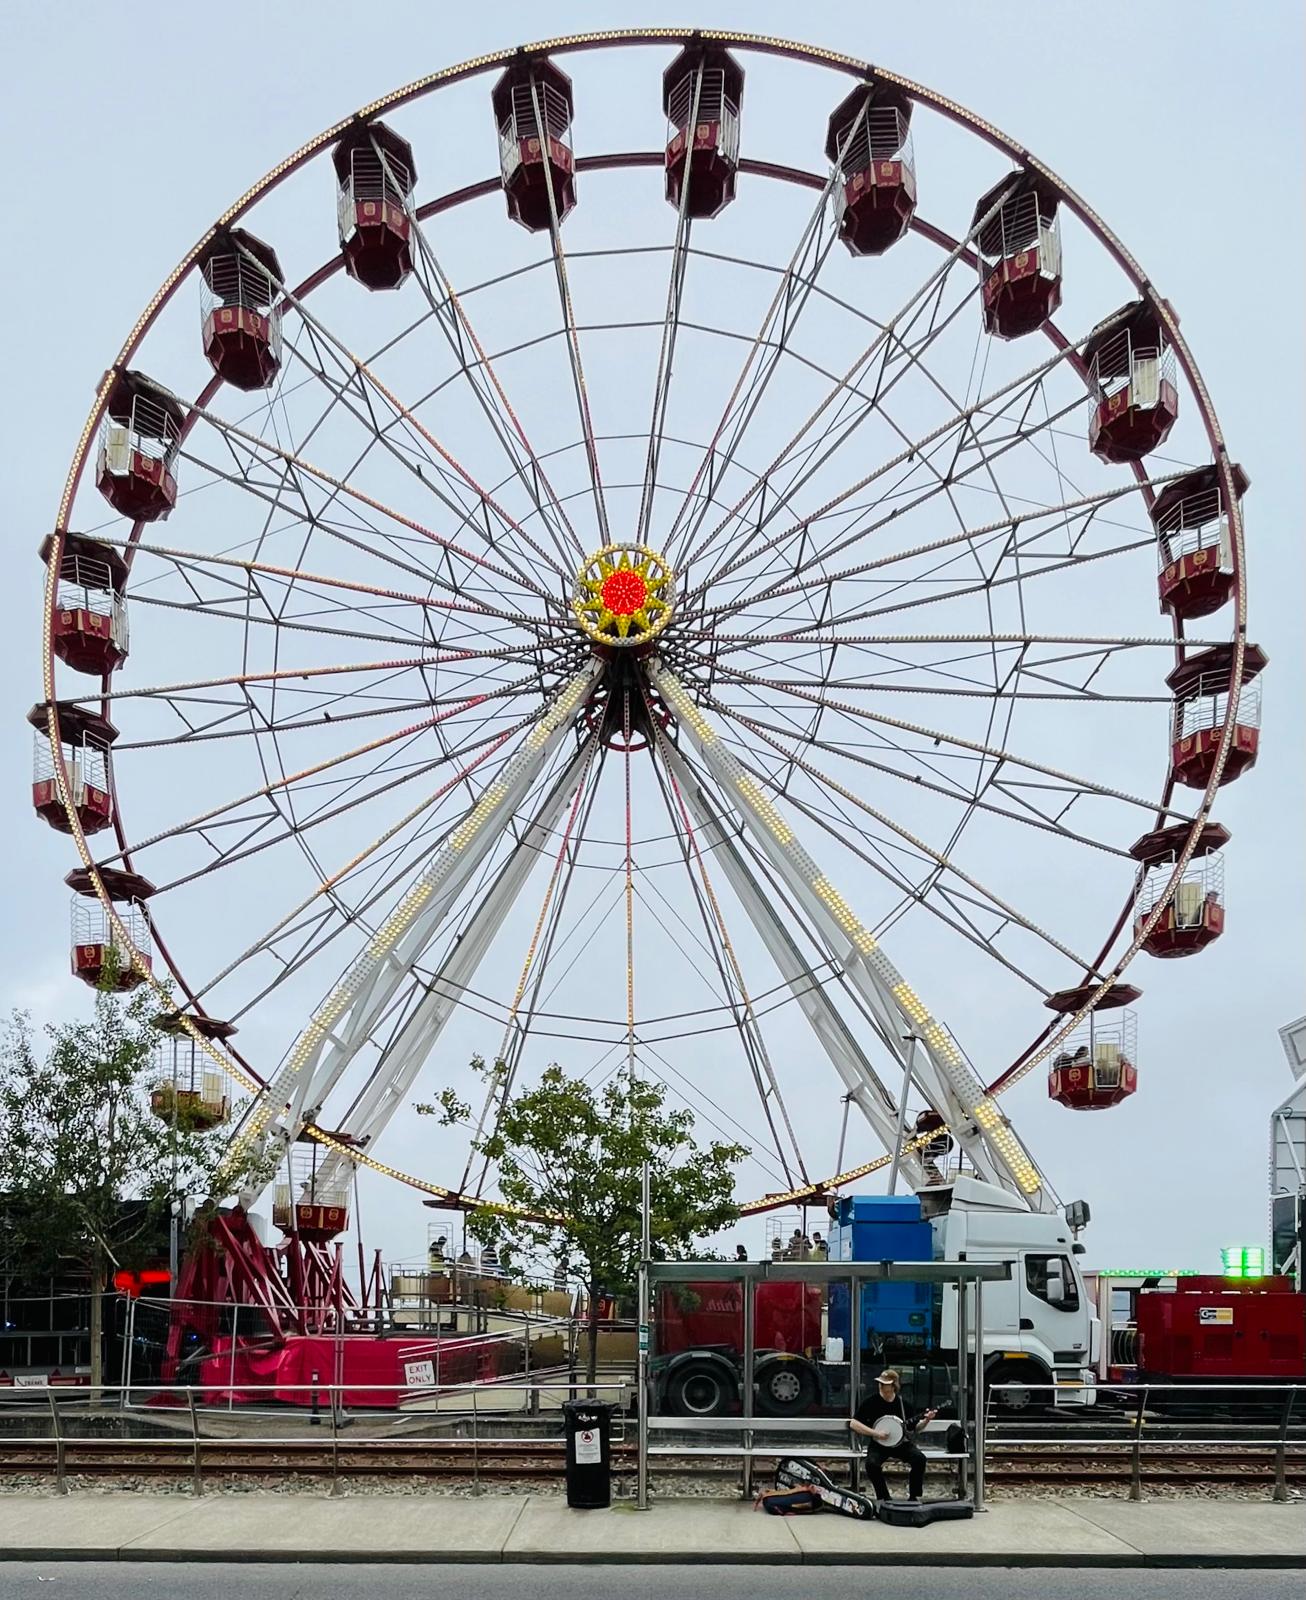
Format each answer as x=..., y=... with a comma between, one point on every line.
x=1159, y=1415
x=106, y=1412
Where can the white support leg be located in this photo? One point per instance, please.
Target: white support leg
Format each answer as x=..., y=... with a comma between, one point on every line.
x=864, y=1086
x=955, y=1091
x=411, y=1047
x=343, y=1022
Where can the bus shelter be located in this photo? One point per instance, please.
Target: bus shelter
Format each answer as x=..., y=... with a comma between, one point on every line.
x=753, y=1359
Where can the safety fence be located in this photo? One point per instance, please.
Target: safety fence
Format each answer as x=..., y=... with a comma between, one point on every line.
x=1133, y=1436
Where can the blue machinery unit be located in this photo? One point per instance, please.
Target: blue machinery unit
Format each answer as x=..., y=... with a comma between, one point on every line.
x=874, y=1227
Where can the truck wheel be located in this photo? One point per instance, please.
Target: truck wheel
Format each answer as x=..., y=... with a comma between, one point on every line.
x=786, y=1389
x=701, y=1389
x=1019, y=1397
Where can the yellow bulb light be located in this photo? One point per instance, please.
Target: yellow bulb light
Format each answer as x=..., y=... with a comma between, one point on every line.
x=623, y=595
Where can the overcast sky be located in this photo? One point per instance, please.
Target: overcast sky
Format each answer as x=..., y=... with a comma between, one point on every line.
x=1181, y=123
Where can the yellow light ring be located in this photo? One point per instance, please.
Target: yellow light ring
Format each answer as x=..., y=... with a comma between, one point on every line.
x=645, y=612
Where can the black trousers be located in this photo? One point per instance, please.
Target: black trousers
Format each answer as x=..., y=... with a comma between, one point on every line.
x=877, y=1455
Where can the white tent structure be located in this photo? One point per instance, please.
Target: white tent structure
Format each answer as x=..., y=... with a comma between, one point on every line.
x=1288, y=1160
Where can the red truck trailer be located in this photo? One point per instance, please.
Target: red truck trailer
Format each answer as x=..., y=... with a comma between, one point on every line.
x=697, y=1366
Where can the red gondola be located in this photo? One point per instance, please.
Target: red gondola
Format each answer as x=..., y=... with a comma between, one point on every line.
x=242, y=320
x=1132, y=370
x=1200, y=685
x=1192, y=542
x=375, y=177
x=90, y=611
x=139, y=440
x=533, y=109
x=702, y=91
x=1019, y=249
x=1195, y=914
x=869, y=140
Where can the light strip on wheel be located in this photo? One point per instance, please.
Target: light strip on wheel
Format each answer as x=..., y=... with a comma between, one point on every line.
x=961, y=1075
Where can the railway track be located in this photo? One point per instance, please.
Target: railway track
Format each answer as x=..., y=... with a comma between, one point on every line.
x=503, y=1460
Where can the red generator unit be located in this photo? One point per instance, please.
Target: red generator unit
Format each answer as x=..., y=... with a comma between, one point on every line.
x=1226, y=1330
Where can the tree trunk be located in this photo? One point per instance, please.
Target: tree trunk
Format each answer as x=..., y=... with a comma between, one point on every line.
x=592, y=1361
x=97, y=1329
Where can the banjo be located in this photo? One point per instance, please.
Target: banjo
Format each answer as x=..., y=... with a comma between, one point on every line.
x=888, y=1431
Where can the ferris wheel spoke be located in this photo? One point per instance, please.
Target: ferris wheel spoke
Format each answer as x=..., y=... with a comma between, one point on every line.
x=406, y=441
x=297, y=830
x=879, y=346
x=436, y=453
x=443, y=658
x=1011, y=527
x=372, y=852
x=948, y=435
x=841, y=828
x=733, y=984
x=330, y=763
x=876, y=685
x=896, y=360
x=188, y=562
x=250, y=618
x=1028, y=558
x=259, y=448
x=269, y=727
x=989, y=583
x=450, y=314
x=670, y=330
x=796, y=287
x=941, y=863
x=918, y=780
x=1080, y=785
x=569, y=322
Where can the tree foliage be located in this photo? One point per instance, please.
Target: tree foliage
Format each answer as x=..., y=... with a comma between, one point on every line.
x=570, y=1157
x=87, y=1172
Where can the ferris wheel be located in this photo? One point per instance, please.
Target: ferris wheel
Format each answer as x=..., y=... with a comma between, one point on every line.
x=766, y=613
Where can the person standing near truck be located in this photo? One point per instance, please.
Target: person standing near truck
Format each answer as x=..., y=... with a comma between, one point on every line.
x=883, y=1421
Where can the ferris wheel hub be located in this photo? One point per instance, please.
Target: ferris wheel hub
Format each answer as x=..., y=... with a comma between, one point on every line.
x=624, y=595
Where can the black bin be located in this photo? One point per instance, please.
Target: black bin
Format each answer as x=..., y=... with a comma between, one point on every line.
x=588, y=1428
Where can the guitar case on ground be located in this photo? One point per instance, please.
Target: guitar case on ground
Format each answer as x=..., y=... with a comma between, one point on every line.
x=919, y=1513
x=798, y=1473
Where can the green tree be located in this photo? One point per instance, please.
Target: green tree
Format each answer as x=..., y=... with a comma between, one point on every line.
x=87, y=1172
x=570, y=1162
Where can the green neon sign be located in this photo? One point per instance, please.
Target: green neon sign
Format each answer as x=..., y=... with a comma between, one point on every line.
x=1147, y=1272
x=1243, y=1261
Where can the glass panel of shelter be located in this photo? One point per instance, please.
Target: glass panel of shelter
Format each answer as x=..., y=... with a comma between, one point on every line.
x=791, y=1326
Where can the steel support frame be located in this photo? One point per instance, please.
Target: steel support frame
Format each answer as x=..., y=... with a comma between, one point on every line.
x=343, y=1022
x=945, y=1076
x=864, y=1087
x=405, y=1055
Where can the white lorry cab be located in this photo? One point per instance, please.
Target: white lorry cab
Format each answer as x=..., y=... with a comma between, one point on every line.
x=1041, y=1332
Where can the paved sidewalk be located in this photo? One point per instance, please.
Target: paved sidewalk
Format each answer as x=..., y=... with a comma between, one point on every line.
x=1077, y=1532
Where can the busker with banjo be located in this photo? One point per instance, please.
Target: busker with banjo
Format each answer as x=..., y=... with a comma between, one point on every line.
x=883, y=1421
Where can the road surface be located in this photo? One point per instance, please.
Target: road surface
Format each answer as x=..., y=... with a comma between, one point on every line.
x=203, y=1581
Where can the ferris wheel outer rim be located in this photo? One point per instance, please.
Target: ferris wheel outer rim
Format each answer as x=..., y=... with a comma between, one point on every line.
x=763, y=44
